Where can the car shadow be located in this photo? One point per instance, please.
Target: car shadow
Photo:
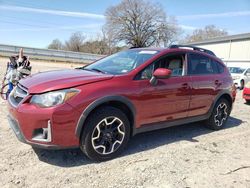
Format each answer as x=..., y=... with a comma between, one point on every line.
x=63, y=158
x=187, y=132
x=139, y=143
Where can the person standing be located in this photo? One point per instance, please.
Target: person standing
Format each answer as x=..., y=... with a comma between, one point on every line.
x=18, y=67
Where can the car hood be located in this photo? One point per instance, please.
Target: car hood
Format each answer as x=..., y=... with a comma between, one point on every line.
x=235, y=75
x=61, y=79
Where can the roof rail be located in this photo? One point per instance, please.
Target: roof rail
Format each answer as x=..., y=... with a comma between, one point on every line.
x=134, y=47
x=194, y=48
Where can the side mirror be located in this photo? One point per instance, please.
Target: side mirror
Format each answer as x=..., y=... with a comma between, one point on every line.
x=160, y=73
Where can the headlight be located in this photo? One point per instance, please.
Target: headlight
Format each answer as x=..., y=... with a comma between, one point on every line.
x=53, y=98
x=247, y=85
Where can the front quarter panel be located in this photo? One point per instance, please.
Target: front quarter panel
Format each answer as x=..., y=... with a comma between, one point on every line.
x=117, y=89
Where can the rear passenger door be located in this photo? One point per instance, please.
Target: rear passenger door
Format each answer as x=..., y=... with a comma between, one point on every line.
x=206, y=83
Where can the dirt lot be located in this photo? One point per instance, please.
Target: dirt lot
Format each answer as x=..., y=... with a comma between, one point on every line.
x=185, y=156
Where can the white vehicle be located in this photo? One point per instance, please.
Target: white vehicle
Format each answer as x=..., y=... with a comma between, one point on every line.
x=240, y=76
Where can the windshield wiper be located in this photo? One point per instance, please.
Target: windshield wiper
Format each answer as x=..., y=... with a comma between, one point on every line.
x=98, y=70
x=94, y=69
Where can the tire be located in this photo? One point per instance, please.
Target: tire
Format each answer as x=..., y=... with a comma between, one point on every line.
x=220, y=114
x=106, y=134
x=242, y=84
x=247, y=101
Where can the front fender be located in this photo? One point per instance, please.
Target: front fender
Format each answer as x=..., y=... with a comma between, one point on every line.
x=97, y=103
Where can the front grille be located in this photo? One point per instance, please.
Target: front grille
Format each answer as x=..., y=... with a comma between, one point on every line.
x=17, y=95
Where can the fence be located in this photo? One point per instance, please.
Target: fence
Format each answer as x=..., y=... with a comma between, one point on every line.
x=51, y=55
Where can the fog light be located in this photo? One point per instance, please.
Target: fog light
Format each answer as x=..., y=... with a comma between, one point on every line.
x=42, y=134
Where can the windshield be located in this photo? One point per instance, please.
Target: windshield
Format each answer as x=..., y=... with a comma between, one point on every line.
x=122, y=62
x=236, y=70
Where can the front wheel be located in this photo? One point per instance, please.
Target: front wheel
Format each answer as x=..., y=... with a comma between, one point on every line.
x=220, y=114
x=106, y=134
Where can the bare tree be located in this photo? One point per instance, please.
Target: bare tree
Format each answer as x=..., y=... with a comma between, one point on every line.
x=209, y=31
x=95, y=47
x=109, y=39
x=56, y=44
x=101, y=44
x=168, y=33
x=75, y=42
x=139, y=23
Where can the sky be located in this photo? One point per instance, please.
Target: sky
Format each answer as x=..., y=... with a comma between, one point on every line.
x=34, y=23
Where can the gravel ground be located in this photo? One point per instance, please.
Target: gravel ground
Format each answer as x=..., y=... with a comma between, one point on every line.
x=184, y=156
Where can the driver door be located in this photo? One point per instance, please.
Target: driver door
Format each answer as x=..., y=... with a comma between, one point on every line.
x=169, y=99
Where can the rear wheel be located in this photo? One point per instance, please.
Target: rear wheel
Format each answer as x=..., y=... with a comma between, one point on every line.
x=220, y=114
x=107, y=134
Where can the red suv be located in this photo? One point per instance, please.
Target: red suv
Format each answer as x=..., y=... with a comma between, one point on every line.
x=100, y=106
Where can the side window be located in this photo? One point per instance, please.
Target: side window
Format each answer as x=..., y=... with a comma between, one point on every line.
x=147, y=72
x=220, y=67
x=199, y=64
x=176, y=66
x=173, y=62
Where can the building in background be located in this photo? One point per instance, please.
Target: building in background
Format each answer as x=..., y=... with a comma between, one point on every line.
x=234, y=50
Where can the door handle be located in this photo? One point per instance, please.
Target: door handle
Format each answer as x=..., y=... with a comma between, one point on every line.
x=217, y=82
x=185, y=86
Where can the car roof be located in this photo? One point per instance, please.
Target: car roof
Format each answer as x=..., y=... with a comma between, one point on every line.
x=168, y=50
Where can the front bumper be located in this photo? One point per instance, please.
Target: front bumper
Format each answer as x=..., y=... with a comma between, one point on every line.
x=16, y=129
x=25, y=119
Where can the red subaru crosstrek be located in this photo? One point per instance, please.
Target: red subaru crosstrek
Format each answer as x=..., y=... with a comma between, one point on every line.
x=100, y=106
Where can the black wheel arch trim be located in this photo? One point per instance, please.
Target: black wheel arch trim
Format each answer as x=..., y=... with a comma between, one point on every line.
x=98, y=102
x=220, y=94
